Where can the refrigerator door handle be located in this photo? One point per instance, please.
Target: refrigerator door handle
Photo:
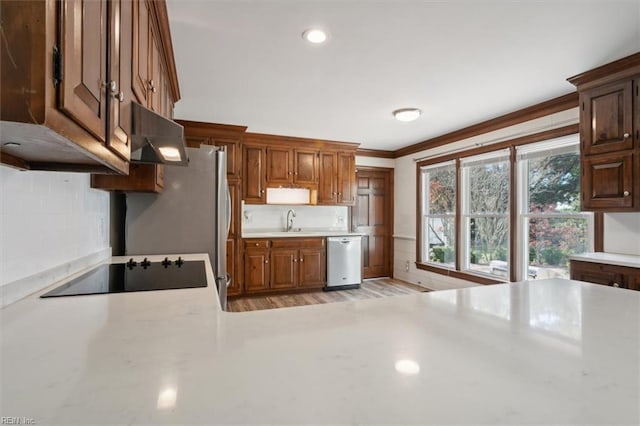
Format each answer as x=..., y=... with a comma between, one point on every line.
x=228, y=208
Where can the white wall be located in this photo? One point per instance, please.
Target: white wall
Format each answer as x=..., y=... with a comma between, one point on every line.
x=273, y=218
x=49, y=221
x=622, y=233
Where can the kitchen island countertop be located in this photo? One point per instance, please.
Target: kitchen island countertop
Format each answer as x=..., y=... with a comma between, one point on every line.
x=546, y=351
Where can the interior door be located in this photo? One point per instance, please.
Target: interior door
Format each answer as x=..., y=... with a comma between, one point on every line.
x=372, y=216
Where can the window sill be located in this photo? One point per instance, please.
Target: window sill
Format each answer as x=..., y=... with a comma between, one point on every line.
x=457, y=274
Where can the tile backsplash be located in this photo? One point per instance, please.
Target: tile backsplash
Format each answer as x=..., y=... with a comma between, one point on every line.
x=48, y=219
x=269, y=218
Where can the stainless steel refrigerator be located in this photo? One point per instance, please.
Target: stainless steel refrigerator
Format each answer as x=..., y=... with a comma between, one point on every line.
x=191, y=215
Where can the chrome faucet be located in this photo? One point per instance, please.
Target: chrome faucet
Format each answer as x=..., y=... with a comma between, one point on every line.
x=290, y=215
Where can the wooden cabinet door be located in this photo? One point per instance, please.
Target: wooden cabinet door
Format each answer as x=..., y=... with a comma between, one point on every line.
x=305, y=167
x=607, y=181
x=279, y=166
x=119, y=118
x=234, y=287
x=597, y=273
x=155, y=74
x=233, y=157
x=607, y=123
x=327, y=178
x=312, y=267
x=253, y=174
x=284, y=265
x=140, y=55
x=82, y=93
x=346, y=178
x=633, y=280
x=256, y=269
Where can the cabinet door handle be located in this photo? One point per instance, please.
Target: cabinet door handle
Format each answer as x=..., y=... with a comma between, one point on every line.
x=295, y=260
x=266, y=261
x=290, y=173
x=301, y=260
x=625, y=193
x=625, y=136
x=112, y=86
x=119, y=96
x=615, y=285
x=257, y=244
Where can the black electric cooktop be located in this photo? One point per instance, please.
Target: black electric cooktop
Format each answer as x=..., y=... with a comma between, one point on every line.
x=135, y=276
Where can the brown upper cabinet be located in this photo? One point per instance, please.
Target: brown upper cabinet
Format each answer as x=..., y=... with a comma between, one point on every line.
x=280, y=161
x=66, y=99
x=610, y=135
x=229, y=137
x=253, y=176
x=337, y=178
x=151, y=80
x=292, y=166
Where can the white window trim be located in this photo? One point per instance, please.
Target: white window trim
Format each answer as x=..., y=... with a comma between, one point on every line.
x=557, y=146
x=465, y=248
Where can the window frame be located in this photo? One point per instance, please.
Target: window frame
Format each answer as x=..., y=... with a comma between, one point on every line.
x=500, y=155
x=423, y=202
x=523, y=213
x=515, y=271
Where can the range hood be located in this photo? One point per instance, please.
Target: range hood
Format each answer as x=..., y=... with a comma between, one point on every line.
x=155, y=139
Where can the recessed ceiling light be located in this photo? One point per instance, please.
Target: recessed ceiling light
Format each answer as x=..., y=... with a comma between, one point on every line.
x=315, y=35
x=407, y=114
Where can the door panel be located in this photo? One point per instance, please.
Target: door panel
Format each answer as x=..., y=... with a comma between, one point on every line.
x=279, y=168
x=306, y=170
x=312, y=267
x=253, y=176
x=140, y=56
x=120, y=73
x=283, y=268
x=327, y=191
x=84, y=49
x=256, y=270
x=607, y=118
x=608, y=180
x=372, y=216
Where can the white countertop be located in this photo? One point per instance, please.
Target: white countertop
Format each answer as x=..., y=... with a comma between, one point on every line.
x=296, y=234
x=609, y=258
x=550, y=351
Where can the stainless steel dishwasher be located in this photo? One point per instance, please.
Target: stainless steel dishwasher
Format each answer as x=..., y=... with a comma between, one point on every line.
x=344, y=262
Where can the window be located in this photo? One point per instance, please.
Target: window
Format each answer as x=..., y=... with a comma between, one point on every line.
x=485, y=212
x=552, y=225
x=503, y=229
x=439, y=214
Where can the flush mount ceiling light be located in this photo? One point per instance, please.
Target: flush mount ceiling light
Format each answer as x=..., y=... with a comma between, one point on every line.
x=407, y=114
x=315, y=35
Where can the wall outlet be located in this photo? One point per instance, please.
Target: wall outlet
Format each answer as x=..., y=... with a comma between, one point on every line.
x=406, y=266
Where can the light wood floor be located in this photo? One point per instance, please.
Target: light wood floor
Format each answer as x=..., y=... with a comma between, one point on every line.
x=370, y=289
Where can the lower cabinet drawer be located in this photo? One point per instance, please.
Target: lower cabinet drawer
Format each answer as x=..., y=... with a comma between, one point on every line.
x=605, y=274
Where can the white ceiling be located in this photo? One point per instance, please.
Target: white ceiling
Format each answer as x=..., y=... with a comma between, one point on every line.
x=460, y=61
